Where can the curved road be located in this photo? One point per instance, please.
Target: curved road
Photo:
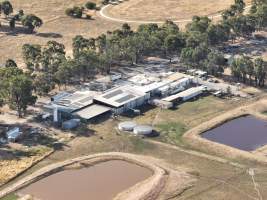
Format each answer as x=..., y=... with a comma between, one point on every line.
x=102, y=14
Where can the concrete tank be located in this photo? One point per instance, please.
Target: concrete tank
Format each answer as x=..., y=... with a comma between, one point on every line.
x=143, y=130
x=127, y=126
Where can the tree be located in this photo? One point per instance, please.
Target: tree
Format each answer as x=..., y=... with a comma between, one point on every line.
x=6, y=8
x=173, y=45
x=52, y=56
x=243, y=26
x=32, y=56
x=42, y=85
x=10, y=63
x=80, y=44
x=195, y=38
x=126, y=30
x=20, y=93
x=199, y=24
x=217, y=33
x=195, y=56
x=12, y=23
x=31, y=22
x=75, y=12
x=64, y=73
x=16, y=89
x=260, y=13
x=260, y=67
x=19, y=15
x=215, y=62
x=87, y=64
x=90, y=5
x=242, y=67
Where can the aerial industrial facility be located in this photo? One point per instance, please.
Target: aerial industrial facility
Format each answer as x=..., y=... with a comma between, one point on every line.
x=125, y=91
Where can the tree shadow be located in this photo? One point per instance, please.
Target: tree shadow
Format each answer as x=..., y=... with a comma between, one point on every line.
x=49, y=35
x=14, y=31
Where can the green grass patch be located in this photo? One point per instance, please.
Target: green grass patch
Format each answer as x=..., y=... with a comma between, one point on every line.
x=171, y=132
x=140, y=145
x=12, y=196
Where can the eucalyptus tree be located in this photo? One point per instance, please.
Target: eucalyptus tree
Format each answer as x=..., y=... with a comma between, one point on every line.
x=32, y=56
x=6, y=7
x=31, y=22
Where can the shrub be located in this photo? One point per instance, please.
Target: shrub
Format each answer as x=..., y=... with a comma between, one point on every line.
x=90, y=5
x=76, y=12
x=88, y=16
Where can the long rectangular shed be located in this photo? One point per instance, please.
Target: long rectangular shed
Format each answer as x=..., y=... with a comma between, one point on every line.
x=122, y=98
x=186, y=95
x=91, y=111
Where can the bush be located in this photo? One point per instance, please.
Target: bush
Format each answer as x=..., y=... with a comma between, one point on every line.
x=105, y=2
x=90, y=5
x=69, y=12
x=88, y=16
x=76, y=12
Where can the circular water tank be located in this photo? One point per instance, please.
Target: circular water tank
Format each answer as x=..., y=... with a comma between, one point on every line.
x=127, y=126
x=143, y=130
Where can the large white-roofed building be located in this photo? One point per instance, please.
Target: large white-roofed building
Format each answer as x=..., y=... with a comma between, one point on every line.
x=123, y=98
x=70, y=102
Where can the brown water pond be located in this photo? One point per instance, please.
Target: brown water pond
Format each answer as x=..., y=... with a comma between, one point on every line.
x=246, y=133
x=102, y=181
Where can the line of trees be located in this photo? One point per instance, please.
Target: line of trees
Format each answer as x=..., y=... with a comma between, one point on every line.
x=245, y=69
x=29, y=21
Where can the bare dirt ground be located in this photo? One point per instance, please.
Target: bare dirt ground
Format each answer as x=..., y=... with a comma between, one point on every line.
x=158, y=10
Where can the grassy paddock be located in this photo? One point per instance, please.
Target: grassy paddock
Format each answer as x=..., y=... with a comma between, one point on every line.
x=158, y=10
x=12, y=196
x=172, y=124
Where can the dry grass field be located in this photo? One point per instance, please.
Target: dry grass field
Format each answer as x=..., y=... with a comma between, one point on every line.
x=158, y=10
x=57, y=26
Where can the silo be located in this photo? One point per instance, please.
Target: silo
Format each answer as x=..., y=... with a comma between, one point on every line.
x=143, y=130
x=127, y=126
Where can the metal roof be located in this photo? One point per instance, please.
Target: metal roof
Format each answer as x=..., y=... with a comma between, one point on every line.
x=152, y=86
x=92, y=111
x=76, y=100
x=119, y=96
x=184, y=94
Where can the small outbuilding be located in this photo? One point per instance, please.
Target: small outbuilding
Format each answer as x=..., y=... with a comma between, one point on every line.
x=14, y=134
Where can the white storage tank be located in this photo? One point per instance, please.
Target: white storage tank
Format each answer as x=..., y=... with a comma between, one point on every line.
x=143, y=130
x=127, y=126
